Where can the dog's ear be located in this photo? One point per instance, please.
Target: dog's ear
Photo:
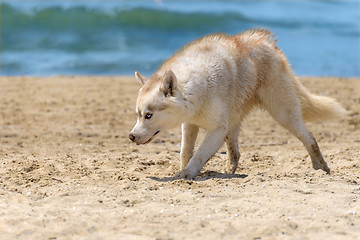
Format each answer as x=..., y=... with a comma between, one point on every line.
x=169, y=85
x=141, y=79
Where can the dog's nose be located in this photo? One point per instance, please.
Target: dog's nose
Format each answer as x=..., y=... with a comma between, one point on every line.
x=132, y=137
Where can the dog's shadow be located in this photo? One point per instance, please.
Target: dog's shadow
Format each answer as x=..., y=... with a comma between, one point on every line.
x=202, y=177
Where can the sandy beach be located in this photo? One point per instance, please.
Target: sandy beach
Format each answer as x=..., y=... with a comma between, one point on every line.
x=69, y=171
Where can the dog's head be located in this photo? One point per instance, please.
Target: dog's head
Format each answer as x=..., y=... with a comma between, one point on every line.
x=158, y=107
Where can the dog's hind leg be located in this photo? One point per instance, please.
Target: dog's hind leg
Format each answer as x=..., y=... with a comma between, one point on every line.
x=285, y=108
x=233, y=150
x=189, y=133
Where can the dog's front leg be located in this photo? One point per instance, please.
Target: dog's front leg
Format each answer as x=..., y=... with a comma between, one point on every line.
x=189, y=134
x=212, y=142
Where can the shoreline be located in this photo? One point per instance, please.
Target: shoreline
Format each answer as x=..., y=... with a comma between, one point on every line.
x=68, y=169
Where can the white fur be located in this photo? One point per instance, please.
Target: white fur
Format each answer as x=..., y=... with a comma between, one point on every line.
x=214, y=83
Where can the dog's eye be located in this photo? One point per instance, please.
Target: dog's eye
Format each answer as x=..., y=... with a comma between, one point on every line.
x=148, y=116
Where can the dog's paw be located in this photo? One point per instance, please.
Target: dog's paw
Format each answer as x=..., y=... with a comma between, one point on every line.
x=185, y=173
x=322, y=165
x=230, y=170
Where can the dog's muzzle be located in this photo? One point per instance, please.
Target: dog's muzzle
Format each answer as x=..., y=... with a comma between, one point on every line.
x=132, y=137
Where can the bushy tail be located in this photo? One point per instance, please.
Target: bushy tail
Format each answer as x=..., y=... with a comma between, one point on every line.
x=317, y=108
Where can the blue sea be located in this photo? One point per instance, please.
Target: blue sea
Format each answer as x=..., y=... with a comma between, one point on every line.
x=44, y=38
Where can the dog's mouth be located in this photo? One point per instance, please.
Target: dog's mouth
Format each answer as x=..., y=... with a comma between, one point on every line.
x=149, y=139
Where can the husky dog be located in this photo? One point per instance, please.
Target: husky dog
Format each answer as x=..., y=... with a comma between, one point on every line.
x=213, y=83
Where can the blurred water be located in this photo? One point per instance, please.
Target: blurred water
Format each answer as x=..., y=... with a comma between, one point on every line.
x=118, y=37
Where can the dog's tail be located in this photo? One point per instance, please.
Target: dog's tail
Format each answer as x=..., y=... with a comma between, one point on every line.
x=317, y=108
